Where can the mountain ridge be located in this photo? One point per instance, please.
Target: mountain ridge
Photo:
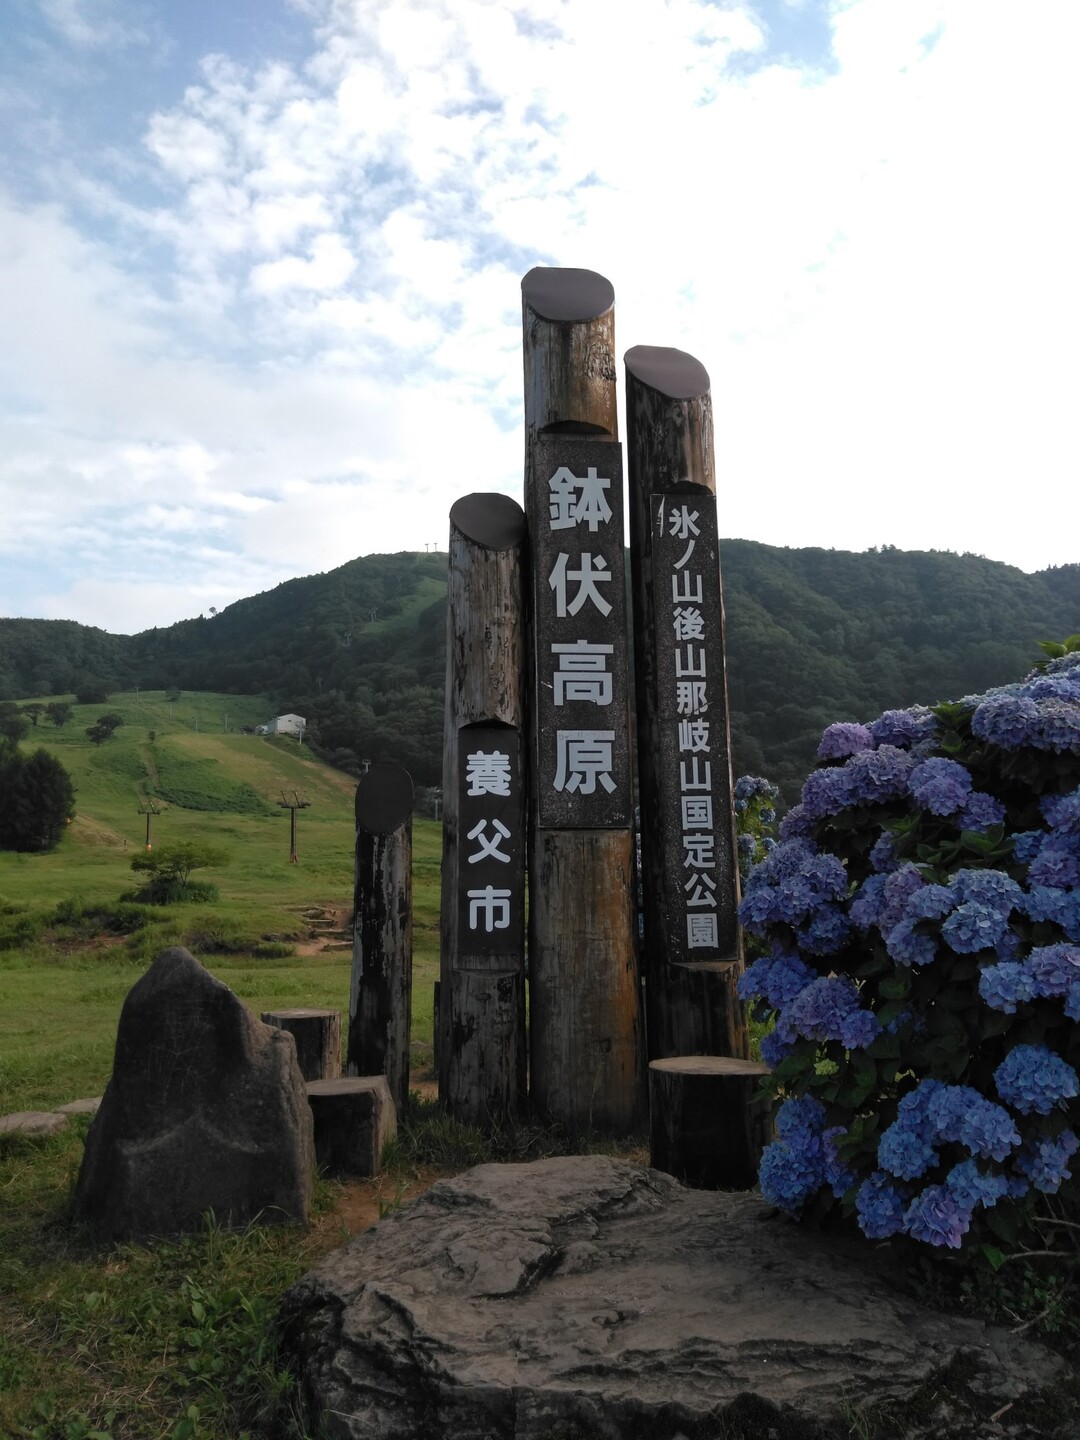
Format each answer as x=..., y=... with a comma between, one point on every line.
x=813, y=635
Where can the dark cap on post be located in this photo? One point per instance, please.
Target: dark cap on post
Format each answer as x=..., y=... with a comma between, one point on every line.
x=494, y=521
x=567, y=295
x=384, y=799
x=673, y=373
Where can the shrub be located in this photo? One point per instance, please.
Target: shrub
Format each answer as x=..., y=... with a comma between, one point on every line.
x=921, y=925
x=170, y=867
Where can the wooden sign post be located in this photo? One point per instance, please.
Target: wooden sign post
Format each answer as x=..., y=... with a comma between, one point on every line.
x=481, y=1049
x=380, y=1001
x=692, y=956
x=585, y=1009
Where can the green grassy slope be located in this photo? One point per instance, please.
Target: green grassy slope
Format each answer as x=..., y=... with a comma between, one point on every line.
x=64, y=972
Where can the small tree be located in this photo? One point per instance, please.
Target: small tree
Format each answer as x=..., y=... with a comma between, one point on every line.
x=35, y=710
x=12, y=721
x=39, y=800
x=92, y=691
x=104, y=726
x=59, y=712
x=170, y=868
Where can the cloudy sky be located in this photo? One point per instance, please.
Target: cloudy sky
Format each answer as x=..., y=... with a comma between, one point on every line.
x=260, y=267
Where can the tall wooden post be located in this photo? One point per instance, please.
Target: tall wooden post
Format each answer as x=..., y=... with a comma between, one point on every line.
x=584, y=998
x=380, y=1001
x=481, y=1050
x=689, y=870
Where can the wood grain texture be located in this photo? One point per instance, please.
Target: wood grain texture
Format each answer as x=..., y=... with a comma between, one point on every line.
x=690, y=1009
x=708, y=1123
x=482, y=1057
x=586, y=1033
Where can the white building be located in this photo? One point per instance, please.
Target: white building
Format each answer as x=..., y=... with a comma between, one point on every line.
x=285, y=725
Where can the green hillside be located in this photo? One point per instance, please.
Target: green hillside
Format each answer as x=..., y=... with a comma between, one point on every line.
x=813, y=636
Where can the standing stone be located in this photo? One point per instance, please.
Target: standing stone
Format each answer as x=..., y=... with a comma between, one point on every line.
x=206, y=1110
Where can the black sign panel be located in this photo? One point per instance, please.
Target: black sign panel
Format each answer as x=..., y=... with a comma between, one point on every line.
x=491, y=841
x=694, y=764
x=580, y=698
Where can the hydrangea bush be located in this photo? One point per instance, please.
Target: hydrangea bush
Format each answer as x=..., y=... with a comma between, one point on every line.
x=918, y=934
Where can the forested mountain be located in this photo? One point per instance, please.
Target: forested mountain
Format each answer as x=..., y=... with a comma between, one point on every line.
x=813, y=636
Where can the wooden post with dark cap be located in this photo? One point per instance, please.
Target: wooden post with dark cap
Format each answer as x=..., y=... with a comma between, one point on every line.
x=380, y=1001
x=586, y=1037
x=690, y=889
x=481, y=1051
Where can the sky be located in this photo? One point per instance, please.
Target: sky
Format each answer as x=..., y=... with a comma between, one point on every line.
x=260, y=268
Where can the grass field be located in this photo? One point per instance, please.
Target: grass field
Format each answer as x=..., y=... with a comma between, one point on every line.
x=69, y=951
x=172, y=1340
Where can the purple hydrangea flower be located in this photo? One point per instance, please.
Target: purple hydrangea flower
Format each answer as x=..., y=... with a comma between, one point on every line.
x=842, y=740
x=1032, y=1079
x=940, y=786
x=904, y=728
x=974, y=927
x=937, y=1217
x=907, y=945
x=1057, y=863
x=879, y=775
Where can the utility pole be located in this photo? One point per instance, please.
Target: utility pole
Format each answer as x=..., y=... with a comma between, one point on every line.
x=292, y=806
x=149, y=810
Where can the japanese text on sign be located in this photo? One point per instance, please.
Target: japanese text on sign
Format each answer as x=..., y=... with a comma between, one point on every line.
x=582, y=736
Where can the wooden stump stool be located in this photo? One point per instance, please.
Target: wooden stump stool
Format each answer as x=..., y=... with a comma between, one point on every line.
x=707, y=1123
x=354, y=1118
x=318, y=1039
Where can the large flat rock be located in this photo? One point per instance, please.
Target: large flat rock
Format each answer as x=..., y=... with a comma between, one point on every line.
x=594, y=1293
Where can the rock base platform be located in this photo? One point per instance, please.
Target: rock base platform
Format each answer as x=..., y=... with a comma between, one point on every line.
x=594, y=1297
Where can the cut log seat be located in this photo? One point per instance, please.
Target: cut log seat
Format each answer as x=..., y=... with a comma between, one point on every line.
x=707, y=1123
x=354, y=1117
x=318, y=1039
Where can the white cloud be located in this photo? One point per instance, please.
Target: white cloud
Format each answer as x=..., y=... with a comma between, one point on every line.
x=306, y=339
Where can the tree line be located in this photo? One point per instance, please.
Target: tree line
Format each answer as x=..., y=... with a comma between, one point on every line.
x=813, y=636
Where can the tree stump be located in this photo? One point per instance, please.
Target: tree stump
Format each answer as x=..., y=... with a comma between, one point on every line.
x=318, y=1039
x=354, y=1118
x=707, y=1124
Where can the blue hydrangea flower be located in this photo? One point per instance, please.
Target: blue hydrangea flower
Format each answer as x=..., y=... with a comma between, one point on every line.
x=1054, y=969
x=972, y=1186
x=981, y=812
x=974, y=927
x=797, y=1163
x=818, y=1012
x=961, y=1114
x=1026, y=844
x=907, y=944
x=904, y=1150
x=797, y=824
x=1032, y=1078
x=938, y=1217
x=883, y=856
x=1062, y=812
x=940, y=786
x=1006, y=986
x=859, y=1029
x=880, y=1204
x=1045, y=1161
x=827, y=792
x=876, y=776
x=776, y=1047
x=775, y=978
